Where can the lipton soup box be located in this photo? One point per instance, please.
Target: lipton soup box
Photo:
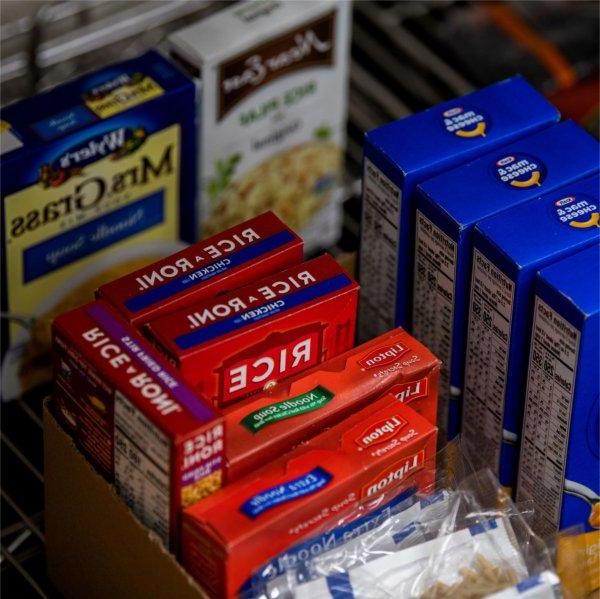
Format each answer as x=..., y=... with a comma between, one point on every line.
x=94, y=174
x=272, y=112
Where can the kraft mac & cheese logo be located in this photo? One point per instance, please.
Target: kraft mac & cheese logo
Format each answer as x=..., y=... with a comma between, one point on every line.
x=382, y=356
x=116, y=144
x=520, y=171
x=466, y=122
x=394, y=475
x=380, y=432
x=578, y=212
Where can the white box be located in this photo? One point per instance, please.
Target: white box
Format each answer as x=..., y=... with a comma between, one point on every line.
x=272, y=85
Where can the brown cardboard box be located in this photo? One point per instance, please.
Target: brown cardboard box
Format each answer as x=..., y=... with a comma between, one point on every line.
x=95, y=546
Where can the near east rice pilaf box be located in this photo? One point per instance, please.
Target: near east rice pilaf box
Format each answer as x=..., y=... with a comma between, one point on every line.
x=272, y=83
x=94, y=175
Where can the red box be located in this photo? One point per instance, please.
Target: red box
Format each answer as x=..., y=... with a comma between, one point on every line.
x=272, y=423
x=233, y=258
x=131, y=414
x=227, y=536
x=240, y=342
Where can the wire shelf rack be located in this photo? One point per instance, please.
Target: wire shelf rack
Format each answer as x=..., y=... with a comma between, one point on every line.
x=400, y=62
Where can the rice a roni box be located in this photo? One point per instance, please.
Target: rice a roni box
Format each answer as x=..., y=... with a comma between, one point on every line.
x=228, y=260
x=559, y=466
x=226, y=537
x=129, y=411
x=272, y=85
x=233, y=345
x=94, y=175
x=276, y=420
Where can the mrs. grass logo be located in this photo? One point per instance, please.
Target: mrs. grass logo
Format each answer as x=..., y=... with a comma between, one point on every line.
x=519, y=171
x=466, y=122
x=116, y=144
x=577, y=212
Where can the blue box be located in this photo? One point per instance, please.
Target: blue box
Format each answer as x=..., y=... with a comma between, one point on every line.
x=559, y=466
x=508, y=250
x=95, y=174
x=402, y=154
x=448, y=207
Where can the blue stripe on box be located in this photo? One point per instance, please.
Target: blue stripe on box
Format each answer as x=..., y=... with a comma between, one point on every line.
x=339, y=586
x=293, y=300
x=92, y=236
x=200, y=275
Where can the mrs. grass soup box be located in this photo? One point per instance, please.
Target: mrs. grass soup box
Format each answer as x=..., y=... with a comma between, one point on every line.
x=228, y=260
x=559, y=467
x=94, y=175
x=233, y=345
x=272, y=85
x=448, y=208
x=384, y=448
x=508, y=250
x=399, y=155
x=273, y=422
x=134, y=418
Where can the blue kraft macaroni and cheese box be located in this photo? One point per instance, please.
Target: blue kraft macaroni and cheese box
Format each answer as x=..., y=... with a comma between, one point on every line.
x=509, y=248
x=402, y=154
x=94, y=175
x=448, y=207
x=559, y=466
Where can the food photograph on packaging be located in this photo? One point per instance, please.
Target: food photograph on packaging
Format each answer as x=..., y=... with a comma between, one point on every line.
x=300, y=299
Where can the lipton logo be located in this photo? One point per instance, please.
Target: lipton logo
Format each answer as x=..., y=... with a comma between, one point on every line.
x=466, y=122
x=407, y=392
x=519, y=171
x=579, y=212
x=382, y=356
x=381, y=431
x=395, y=474
x=310, y=45
x=117, y=144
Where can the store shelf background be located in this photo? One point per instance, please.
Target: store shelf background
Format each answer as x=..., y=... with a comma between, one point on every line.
x=406, y=56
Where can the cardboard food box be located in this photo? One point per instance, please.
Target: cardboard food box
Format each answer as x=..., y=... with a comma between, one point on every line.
x=94, y=175
x=273, y=422
x=131, y=414
x=233, y=345
x=399, y=155
x=448, y=208
x=226, y=537
x=272, y=86
x=559, y=466
x=85, y=525
x=228, y=260
x=508, y=250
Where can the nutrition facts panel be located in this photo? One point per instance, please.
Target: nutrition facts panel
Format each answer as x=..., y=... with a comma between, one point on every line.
x=550, y=386
x=488, y=340
x=142, y=458
x=433, y=299
x=379, y=254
